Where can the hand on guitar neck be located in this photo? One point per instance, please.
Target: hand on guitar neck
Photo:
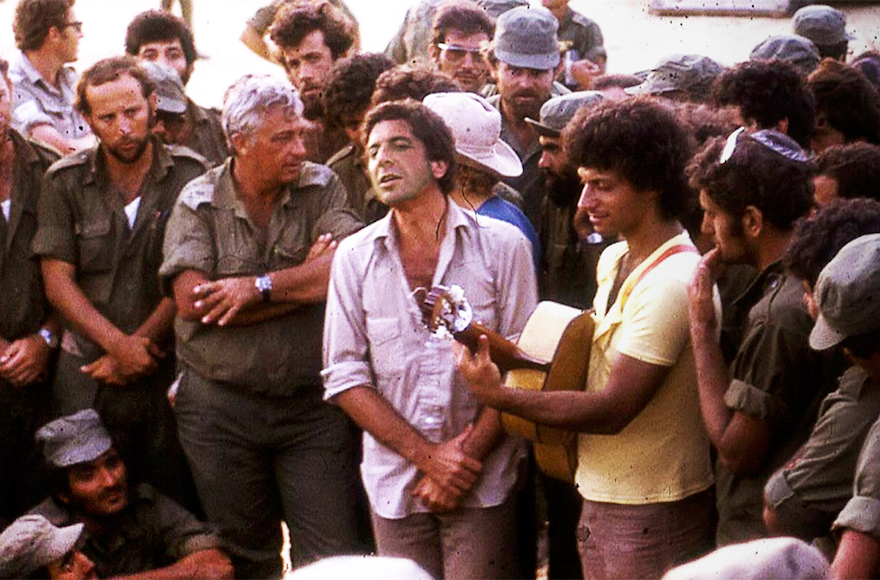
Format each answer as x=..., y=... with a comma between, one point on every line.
x=445, y=309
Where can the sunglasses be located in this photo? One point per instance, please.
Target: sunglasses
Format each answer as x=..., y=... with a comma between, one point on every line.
x=768, y=139
x=456, y=53
x=78, y=26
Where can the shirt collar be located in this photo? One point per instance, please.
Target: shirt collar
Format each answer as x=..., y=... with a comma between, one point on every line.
x=162, y=163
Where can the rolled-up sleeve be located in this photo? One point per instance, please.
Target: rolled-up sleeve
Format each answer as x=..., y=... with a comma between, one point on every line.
x=345, y=338
x=188, y=246
x=862, y=512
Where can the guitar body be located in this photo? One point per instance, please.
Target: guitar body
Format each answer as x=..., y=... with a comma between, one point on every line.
x=553, y=353
x=561, y=336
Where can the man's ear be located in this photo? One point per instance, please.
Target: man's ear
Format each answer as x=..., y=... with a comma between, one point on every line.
x=239, y=142
x=752, y=222
x=439, y=168
x=434, y=53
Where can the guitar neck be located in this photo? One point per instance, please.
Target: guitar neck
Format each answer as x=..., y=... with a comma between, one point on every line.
x=504, y=353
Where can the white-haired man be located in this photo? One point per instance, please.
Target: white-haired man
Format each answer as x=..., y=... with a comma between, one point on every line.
x=247, y=258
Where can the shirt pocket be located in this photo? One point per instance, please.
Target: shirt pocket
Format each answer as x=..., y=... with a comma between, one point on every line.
x=385, y=345
x=93, y=241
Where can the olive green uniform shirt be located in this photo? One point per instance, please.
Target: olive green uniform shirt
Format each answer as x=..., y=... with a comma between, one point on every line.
x=152, y=532
x=348, y=164
x=815, y=484
x=779, y=379
x=83, y=222
x=579, y=33
x=206, y=135
x=862, y=511
x=568, y=265
x=23, y=307
x=210, y=232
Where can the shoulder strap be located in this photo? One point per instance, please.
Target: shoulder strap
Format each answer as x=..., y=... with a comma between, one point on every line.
x=677, y=249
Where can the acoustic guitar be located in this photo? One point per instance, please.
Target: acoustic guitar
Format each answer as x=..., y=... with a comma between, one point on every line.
x=552, y=353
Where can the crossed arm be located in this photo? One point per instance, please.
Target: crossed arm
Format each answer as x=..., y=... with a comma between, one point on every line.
x=127, y=356
x=235, y=301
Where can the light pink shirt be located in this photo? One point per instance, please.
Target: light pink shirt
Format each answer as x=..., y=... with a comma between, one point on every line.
x=374, y=336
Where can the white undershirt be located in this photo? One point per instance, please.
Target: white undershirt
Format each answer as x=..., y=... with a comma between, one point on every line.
x=131, y=211
x=6, y=206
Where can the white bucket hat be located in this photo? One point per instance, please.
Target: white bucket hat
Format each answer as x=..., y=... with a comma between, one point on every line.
x=476, y=126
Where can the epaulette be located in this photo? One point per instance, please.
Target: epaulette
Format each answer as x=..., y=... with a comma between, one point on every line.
x=181, y=151
x=314, y=174
x=579, y=18
x=343, y=153
x=72, y=160
x=198, y=191
x=46, y=152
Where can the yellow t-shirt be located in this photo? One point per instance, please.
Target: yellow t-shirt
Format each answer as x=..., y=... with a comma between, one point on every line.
x=663, y=454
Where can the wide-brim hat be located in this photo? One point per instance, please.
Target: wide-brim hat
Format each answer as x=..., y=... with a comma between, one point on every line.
x=476, y=126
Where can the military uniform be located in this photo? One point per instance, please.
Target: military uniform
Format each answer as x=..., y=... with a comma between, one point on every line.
x=23, y=309
x=152, y=532
x=206, y=135
x=582, y=35
x=779, y=379
x=348, y=164
x=530, y=184
x=568, y=266
x=862, y=511
x=262, y=443
x=83, y=223
x=815, y=484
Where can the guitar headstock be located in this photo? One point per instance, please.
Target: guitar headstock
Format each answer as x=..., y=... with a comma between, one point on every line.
x=444, y=308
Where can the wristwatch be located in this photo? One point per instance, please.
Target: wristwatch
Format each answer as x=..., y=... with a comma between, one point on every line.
x=50, y=338
x=264, y=285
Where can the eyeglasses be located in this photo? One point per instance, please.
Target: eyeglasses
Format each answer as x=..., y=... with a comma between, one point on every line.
x=78, y=26
x=457, y=53
x=768, y=138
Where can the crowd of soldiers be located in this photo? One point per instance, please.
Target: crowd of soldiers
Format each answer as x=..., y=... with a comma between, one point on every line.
x=212, y=321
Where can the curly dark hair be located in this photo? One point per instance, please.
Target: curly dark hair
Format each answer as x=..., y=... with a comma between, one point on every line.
x=855, y=168
x=768, y=92
x=464, y=15
x=350, y=84
x=817, y=239
x=295, y=21
x=426, y=126
x=108, y=70
x=159, y=26
x=640, y=139
x=755, y=175
x=412, y=81
x=847, y=100
x=34, y=19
